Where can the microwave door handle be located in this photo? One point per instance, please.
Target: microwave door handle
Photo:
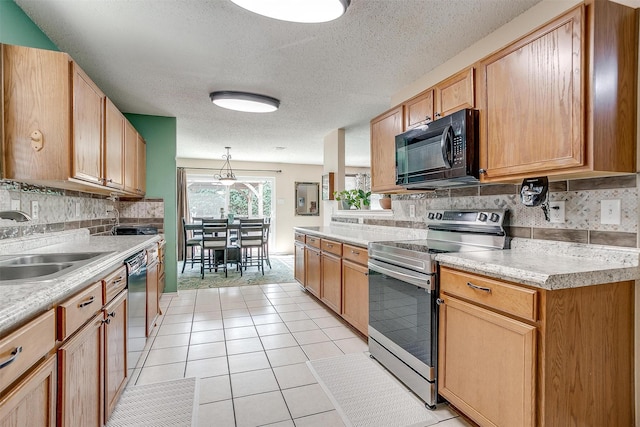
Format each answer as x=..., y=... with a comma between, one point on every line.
x=444, y=145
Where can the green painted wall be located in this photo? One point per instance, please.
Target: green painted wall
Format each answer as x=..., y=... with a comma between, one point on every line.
x=160, y=135
x=17, y=28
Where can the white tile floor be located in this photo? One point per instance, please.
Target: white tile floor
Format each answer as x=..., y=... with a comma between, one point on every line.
x=248, y=345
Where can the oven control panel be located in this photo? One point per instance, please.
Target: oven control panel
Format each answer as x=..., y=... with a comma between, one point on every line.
x=492, y=217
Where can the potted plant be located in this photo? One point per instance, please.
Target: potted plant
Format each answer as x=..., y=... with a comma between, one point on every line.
x=353, y=199
x=385, y=201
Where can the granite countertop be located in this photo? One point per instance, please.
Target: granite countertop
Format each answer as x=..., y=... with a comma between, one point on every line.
x=540, y=263
x=22, y=300
x=359, y=236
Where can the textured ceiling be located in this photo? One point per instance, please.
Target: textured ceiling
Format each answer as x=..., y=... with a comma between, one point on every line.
x=164, y=57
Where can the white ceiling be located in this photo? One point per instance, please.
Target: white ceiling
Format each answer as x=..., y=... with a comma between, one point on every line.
x=164, y=57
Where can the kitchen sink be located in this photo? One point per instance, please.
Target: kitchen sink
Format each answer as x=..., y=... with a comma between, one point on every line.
x=42, y=267
x=17, y=272
x=50, y=258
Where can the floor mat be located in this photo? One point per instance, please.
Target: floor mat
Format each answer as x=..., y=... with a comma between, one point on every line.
x=366, y=395
x=164, y=404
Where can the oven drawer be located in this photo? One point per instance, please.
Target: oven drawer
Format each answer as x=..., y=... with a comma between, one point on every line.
x=299, y=237
x=512, y=299
x=355, y=254
x=331, y=247
x=313, y=241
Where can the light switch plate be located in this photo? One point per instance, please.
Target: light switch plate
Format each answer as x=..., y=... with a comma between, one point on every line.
x=77, y=209
x=15, y=204
x=610, y=211
x=35, y=209
x=412, y=211
x=556, y=212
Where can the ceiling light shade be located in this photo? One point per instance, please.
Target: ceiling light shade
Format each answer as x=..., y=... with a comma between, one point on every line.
x=305, y=11
x=226, y=175
x=244, y=101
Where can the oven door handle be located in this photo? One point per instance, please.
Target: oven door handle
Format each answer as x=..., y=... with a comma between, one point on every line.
x=425, y=281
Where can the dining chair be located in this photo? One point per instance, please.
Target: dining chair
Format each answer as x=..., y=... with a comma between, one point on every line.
x=214, y=241
x=195, y=241
x=250, y=237
x=265, y=241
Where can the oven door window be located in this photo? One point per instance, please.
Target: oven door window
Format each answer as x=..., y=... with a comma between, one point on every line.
x=403, y=313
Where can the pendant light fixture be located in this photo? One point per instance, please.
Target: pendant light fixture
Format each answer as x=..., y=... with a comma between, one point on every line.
x=304, y=11
x=244, y=101
x=226, y=176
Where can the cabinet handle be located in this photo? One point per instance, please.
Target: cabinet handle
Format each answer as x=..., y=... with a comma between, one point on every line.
x=482, y=171
x=120, y=279
x=329, y=245
x=14, y=355
x=479, y=288
x=86, y=303
x=355, y=252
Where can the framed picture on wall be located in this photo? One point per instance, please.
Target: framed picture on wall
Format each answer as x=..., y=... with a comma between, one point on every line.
x=327, y=186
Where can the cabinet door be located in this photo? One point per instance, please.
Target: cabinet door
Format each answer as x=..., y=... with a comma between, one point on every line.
x=87, y=128
x=33, y=401
x=113, y=146
x=355, y=295
x=80, y=374
x=455, y=93
x=130, y=157
x=299, y=263
x=115, y=351
x=487, y=364
x=331, y=289
x=384, y=129
x=419, y=109
x=141, y=166
x=532, y=120
x=312, y=271
x=152, y=297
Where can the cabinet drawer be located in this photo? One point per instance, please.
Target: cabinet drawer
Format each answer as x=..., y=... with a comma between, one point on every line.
x=508, y=298
x=313, y=241
x=152, y=254
x=75, y=311
x=26, y=346
x=331, y=247
x=299, y=237
x=114, y=283
x=355, y=254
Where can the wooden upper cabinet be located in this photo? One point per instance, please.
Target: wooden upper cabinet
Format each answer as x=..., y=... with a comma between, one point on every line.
x=141, y=166
x=455, y=93
x=554, y=104
x=88, y=102
x=419, y=109
x=384, y=129
x=130, y=157
x=113, y=146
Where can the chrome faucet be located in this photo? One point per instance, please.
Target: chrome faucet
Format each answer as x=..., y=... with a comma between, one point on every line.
x=17, y=216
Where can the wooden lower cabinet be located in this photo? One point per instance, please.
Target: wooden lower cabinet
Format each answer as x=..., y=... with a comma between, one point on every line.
x=484, y=358
x=115, y=351
x=313, y=271
x=331, y=290
x=299, y=251
x=32, y=402
x=355, y=295
x=539, y=357
x=80, y=377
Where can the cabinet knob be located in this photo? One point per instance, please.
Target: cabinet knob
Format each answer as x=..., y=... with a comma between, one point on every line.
x=438, y=115
x=106, y=321
x=428, y=118
x=482, y=171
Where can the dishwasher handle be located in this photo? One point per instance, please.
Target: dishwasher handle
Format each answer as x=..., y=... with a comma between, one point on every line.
x=136, y=263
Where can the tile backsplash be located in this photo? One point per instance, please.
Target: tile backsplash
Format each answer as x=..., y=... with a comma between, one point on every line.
x=60, y=210
x=582, y=209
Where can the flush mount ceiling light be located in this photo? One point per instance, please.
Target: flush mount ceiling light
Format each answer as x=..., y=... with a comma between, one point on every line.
x=226, y=176
x=307, y=11
x=244, y=101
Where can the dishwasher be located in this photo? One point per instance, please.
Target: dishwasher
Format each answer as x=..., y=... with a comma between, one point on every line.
x=137, y=293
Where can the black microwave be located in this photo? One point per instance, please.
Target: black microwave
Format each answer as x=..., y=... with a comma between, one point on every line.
x=439, y=154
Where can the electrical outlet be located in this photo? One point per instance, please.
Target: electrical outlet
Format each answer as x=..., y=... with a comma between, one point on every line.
x=77, y=209
x=15, y=204
x=35, y=209
x=412, y=211
x=556, y=212
x=610, y=211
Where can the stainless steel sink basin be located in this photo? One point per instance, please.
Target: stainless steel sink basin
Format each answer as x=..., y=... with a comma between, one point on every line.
x=50, y=258
x=42, y=267
x=17, y=272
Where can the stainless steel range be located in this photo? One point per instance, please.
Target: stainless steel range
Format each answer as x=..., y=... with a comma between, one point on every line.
x=403, y=292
